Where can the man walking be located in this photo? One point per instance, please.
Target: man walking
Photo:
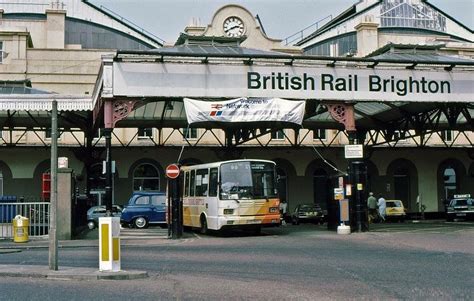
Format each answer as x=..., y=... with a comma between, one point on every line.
x=372, y=206
x=382, y=206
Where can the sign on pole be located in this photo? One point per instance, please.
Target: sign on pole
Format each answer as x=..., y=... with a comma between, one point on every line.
x=354, y=151
x=172, y=171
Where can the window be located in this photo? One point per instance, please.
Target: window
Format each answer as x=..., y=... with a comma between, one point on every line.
x=202, y=181
x=98, y=134
x=146, y=177
x=142, y=200
x=213, y=182
x=278, y=135
x=319, y=134
x=399, y=135
x=447, y=136
x=158, y=200
x=1, y=183
x=186, y=184
x=450, y=182
x=3, y=56
x=48, y=133
x=145, y=133
x=404, y=13
x=192, y=183
x=190, y=133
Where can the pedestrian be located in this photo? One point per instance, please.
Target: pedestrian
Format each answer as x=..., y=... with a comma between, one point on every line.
x=382, y=206
x=372, y=206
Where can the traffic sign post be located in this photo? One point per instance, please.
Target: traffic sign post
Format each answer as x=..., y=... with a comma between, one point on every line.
x=172, y=171
x=174, y=197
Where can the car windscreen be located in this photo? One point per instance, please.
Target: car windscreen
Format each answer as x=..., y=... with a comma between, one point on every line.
x=459, y=202
x=396, y=204
x=308, y=208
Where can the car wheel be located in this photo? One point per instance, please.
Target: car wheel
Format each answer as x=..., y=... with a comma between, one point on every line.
x=91, y=225
x=203, y=229
x=295, y=222
x=140, y=222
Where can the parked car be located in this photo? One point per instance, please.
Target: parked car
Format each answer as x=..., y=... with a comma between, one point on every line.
x=460, y=207
x=395, y=210
x=95, y=212
x=144, y=208
x=307, y=213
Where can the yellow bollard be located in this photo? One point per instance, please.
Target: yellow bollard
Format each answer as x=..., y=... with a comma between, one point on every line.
x=20, y=228
x=109, y=244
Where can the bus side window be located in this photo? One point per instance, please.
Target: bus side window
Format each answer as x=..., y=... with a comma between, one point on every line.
x=186, y=183
x=213, y=182
x=192, y=183
x=202, y=180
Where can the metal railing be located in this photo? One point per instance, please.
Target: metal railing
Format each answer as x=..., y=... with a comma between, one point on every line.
x=131, y=24
x=300, y=35
x=36, y=212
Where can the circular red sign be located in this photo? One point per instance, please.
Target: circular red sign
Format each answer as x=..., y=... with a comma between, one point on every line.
x=172, y=171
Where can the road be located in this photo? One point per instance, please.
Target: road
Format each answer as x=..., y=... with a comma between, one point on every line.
x=305, y=262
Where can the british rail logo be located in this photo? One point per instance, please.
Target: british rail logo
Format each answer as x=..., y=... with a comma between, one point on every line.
x=216, y=110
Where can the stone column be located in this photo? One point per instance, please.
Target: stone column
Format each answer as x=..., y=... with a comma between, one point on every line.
x=367, y=36
x=64, y=211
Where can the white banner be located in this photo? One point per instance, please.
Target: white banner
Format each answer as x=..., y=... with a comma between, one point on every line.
x=290, y=82
x=244, y=110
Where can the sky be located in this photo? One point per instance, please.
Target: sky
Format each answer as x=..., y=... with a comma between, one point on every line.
x=280, y=18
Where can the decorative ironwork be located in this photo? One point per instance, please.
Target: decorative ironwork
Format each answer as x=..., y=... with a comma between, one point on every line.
x=117, y=110
x=343, y=113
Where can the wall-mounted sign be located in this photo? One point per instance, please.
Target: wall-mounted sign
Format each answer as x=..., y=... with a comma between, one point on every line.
x=354, y=151
x=290, y=82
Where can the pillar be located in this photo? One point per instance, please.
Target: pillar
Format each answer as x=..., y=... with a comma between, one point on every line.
x=64, y=211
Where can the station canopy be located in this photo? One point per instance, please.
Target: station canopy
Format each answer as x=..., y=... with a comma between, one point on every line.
x=22, y=106
x=423, y=90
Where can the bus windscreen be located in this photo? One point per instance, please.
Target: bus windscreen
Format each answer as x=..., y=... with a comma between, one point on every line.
x=247, y=180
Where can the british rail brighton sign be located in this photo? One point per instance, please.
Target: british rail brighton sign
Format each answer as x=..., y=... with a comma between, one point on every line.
x=290, y=82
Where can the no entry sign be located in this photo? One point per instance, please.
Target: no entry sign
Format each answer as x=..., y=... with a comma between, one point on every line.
x=172, y=171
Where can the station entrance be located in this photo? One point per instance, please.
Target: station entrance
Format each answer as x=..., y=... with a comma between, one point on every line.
x=368, y=101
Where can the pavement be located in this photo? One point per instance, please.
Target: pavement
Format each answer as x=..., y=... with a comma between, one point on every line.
x=87, y=239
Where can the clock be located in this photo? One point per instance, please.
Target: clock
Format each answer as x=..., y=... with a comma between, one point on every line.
x=233, y=27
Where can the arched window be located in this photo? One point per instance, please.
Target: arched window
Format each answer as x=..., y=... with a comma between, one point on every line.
x=449, y=178
x=146, y=177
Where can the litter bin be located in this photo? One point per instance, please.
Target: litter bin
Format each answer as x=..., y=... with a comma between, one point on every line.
x=20, y=228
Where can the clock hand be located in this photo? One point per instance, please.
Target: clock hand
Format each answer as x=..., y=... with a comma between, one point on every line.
x=235, y=26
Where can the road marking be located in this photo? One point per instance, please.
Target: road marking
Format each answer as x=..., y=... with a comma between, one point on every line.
x=198, y=237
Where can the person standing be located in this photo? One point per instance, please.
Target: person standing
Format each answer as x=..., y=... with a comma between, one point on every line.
x=382, y=206
x=372, y=206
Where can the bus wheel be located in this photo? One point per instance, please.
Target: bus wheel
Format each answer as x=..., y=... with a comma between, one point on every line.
x=203, y=229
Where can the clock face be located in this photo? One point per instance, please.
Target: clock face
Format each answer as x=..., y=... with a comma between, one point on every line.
x=233, y=27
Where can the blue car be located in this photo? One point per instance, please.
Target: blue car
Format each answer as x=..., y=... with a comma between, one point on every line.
x=144, y=208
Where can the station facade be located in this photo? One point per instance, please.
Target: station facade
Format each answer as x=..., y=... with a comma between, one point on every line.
x=401, y=164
